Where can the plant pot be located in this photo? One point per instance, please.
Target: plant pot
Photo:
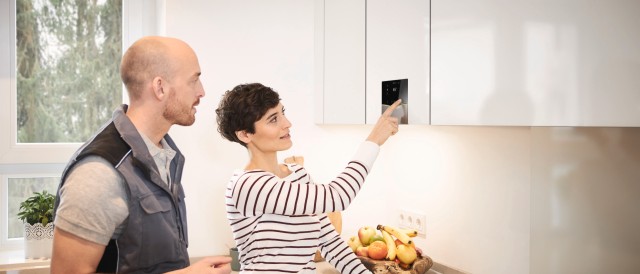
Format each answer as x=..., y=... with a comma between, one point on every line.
x=38, y=241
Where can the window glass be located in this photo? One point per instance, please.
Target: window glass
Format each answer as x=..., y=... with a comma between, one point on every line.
x=19, y=189
x=68, y=55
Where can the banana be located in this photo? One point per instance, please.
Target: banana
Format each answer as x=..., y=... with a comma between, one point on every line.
x=404, y=238
x=410, y=232
x=391, y=245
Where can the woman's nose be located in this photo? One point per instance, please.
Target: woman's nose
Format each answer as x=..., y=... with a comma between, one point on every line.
x=287, y=123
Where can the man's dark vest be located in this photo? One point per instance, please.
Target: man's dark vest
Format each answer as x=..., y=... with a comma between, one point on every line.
x=154, y=239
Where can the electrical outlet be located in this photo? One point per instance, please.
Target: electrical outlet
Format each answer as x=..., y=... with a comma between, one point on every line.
x=413, y=220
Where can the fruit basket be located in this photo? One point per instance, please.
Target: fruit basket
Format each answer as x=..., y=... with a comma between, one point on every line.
x=420, y=266
x=390, y=251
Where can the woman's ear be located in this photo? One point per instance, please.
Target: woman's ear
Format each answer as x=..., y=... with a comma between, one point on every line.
x=244, y=136
x=158, y=88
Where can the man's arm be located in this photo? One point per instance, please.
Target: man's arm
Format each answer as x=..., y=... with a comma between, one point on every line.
x=72, y=254
x=93, y=204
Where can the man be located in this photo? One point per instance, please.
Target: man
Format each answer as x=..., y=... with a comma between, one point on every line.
x=120, y=205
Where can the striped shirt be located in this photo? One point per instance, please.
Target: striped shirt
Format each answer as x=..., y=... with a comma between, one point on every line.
x=279, y=223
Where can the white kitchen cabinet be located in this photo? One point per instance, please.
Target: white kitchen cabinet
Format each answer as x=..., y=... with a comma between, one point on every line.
x=397, y=47
x=339, y=61
x=360, y=44
x=535, y=63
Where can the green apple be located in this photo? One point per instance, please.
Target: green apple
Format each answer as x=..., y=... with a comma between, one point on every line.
x=377, y=237
x=354, y=243
x=365, y=233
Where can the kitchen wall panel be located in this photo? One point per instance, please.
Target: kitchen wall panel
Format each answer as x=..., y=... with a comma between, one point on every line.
x=585, y=186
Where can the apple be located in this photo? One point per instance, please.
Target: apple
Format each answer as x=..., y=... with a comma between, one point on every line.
x=378, y=250
x=376, y=237
x=406, y=254
x=354, y=243
x=365, y=233
x=362, y=251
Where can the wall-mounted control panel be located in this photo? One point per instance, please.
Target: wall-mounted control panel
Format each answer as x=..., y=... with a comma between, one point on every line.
x=393, y=90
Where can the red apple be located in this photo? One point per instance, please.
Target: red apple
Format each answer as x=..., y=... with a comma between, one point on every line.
x=378, y=250
x=365, y=233
x=362, y=251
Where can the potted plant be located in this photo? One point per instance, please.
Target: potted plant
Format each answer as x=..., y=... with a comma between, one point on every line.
x=37, y=214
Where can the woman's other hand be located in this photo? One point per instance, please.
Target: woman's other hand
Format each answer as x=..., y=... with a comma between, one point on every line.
x=299, y=160
x=386, y=125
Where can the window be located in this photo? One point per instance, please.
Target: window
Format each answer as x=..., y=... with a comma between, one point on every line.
x=67, y=68
x=59, y=81
x=16, y=189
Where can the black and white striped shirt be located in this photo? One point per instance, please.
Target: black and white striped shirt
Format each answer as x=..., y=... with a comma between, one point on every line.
x=279, y=223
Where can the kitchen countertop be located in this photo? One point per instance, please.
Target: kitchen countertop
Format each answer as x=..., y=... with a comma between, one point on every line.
x=326, y=268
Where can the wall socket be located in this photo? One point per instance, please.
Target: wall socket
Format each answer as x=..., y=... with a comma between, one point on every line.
x=413, y=220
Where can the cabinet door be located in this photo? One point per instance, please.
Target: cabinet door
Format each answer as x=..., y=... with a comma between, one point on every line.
x=339, y=61
x=398, y=48
x=535, y=63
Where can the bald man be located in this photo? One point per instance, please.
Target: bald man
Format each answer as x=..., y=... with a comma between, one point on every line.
x=120, y=205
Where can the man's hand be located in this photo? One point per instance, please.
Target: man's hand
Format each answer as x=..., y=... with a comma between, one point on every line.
x=209, y=265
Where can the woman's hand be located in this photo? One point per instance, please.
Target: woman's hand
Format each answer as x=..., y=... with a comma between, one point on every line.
x=299, y=160
x=386, y=126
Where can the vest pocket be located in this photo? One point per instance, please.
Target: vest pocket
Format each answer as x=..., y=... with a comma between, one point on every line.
x=152, y=204
x=159, y=238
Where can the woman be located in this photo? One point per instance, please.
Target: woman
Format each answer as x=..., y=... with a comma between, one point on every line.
x=275, y=210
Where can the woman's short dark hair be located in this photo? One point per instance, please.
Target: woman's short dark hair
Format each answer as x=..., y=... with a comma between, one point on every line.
x=241, y=107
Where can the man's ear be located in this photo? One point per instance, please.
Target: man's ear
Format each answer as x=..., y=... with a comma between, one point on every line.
x=158, y=88
x=244, y=136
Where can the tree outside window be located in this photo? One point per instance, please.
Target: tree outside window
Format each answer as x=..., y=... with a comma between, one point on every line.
x=68, y=56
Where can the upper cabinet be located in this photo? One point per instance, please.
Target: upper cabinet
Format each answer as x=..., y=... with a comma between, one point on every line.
x=369, y=53
x=397, y=63
x=535, y=63
x=479, y=62
x=339, y=61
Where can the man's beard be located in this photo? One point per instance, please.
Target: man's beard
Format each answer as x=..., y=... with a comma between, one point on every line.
x=178, y=114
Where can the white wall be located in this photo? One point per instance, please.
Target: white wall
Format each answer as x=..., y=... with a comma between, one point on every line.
x=473, y=183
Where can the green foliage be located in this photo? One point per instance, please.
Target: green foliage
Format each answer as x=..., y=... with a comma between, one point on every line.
x=68, y=56
x=37, y=208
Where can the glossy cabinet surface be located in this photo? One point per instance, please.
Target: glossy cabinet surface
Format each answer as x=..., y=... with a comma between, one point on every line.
x=359, y=44
x=339, y=61
x=397, y=47
x=535, y=63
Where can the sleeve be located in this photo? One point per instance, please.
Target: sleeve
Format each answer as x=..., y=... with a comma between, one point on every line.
x=336, y=251
x=93, y=201
x=259, y=192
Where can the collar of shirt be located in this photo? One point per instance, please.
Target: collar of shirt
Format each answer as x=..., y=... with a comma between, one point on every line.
x=161, y=156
